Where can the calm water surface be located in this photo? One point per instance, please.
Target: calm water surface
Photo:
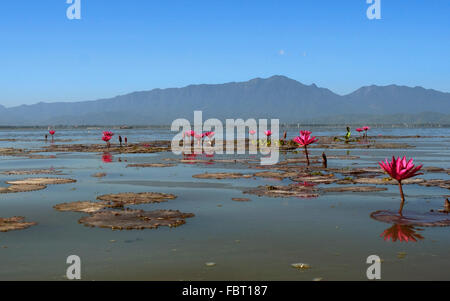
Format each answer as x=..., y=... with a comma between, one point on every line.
x=257, y=240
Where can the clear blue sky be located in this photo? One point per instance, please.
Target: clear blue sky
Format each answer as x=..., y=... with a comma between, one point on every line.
x=121, y=46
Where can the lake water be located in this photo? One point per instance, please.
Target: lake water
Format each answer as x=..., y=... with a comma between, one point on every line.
x=257, y=240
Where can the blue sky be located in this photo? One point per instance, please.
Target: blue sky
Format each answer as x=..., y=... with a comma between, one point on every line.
x=121, y=46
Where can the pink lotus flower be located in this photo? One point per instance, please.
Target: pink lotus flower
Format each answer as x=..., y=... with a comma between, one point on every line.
x=268, y=133
x=366, y=128
x=304, y=140
x=51, y=132
x=108, y=133
x=400, y=169
x=252, y=132
x=359, y=130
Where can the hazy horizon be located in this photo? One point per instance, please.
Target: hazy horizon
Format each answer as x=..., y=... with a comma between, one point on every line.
x=128, y=46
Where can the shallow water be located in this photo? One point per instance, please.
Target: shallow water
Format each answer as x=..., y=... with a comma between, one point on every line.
x=257, y=240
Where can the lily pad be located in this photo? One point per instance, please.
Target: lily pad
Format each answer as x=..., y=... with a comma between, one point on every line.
x=437, y=183
x=354, y=189
x=429, y=219
x=135, y=219
x=292, y=190
x=386, y=181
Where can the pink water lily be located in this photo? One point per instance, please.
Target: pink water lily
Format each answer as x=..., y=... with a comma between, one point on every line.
x=304, y=140
x=359, y=130
x=400, y=169
x=106, y=138
x=268, y=133
x=252, y=132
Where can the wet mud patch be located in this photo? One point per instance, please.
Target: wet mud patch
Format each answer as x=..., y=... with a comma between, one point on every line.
x=429, y=219
x=131, y=198
x=14, y=223
x=135, y=219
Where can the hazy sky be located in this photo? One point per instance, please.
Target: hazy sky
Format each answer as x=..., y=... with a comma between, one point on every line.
x=121, y=46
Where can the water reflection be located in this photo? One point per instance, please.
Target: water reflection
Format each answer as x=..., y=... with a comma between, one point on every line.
x=406, y=233
x=107, y=157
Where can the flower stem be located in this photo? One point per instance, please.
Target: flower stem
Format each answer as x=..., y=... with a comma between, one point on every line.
x=307, y=157
x=402, y=196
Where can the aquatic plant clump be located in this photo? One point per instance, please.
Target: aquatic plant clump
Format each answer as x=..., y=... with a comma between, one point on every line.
x=135, y=219
x=14, y=223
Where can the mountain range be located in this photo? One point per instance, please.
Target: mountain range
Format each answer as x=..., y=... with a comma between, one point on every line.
x=273, y=97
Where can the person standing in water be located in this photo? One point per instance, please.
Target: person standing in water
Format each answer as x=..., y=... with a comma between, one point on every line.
x=347, y=136
x=120, y=140
x=126, y=141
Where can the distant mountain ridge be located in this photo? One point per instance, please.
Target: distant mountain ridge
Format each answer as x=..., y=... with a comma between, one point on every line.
x=273, y=97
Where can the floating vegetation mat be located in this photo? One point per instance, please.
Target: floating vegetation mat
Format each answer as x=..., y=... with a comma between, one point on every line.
x=222, y=175
x=152, y=165
x=354, y=189
x=429, y=219
x=33, y=184
x=31, y=172
x=14, y=223
x=241, y=199
x=41, y=181
x=99, y=175
x=131, y=198
x=293, y=190
x=82, y=206
x=437, y=183
x=135, y=219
